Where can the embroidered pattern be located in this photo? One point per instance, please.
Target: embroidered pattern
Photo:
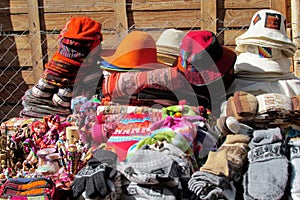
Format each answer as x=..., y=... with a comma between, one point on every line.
x=268, y=151
x=265, y=52
x=256, y=19
x=273, y=21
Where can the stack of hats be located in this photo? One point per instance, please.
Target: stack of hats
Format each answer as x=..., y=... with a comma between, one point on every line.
x=263, y=65
x=53, y=92
x=168, y=45
x=267, y=29
x=147, y=81
x=136, y=52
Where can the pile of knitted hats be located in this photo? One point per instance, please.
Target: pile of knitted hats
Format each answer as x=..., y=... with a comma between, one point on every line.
x=53, y=92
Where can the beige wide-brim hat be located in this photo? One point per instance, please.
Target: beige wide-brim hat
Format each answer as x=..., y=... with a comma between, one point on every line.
x=168, y=45
x=267, y=28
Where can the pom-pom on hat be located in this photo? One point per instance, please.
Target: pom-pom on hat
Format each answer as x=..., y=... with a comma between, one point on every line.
x=137, y=51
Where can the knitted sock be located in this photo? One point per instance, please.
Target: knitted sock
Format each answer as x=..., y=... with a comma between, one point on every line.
x=294, y=145
x=230, y=157
x=208, y=186
x=267, y=174
x=137, y=191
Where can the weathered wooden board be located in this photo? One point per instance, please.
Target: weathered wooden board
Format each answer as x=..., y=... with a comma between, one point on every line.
x=13, y=94
x=14, y=41
x=229, y=36
x=151, y=5
x=10, y=111
x=165, y=19
x=16, y=22
x=76, y=6
x=13, y=6
x=56, y=21
x=242, y=4
x=236, y=17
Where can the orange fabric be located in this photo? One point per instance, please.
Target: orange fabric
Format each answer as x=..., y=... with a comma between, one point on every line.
x=179, y=66
x=131, y=60
x=138, y=48
x=82, y=28
x=32, y=185
x=36, y=191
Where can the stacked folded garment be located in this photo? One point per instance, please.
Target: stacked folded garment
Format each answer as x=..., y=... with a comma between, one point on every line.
x=53, y=92
x=268, y=110
x=274, y=110
x=156, y=173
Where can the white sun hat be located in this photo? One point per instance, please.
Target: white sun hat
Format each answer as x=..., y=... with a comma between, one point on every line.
x=267, y=28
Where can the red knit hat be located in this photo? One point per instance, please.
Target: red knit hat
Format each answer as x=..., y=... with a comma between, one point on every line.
x=82, y=28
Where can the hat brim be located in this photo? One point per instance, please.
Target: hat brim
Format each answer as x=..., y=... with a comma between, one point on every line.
x=112, y=68
x=167, y=59
x=134, y=59
x=248, y=62
x=288, y=49
x=275, y=36
x=168, y=50
x=223, y=66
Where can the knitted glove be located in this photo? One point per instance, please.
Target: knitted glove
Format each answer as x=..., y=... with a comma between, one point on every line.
x=230, y=157
x=91, y=180
x=96, y=178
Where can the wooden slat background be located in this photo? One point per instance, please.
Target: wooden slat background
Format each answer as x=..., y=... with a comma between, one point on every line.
x=229, y=19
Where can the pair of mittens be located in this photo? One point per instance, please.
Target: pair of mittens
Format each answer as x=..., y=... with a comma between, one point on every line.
x=267, y=174
x=229, y=159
